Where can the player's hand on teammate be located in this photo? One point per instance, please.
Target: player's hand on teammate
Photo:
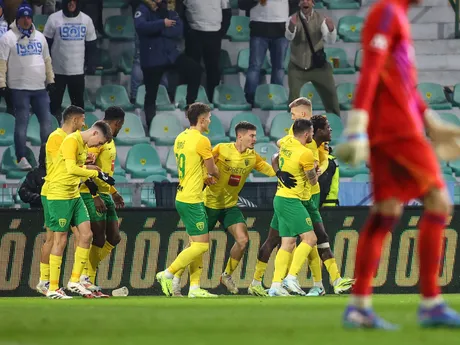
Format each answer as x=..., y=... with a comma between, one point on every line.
x=286, y=178
x=106, y=178
x=445, y=136
x=210, y=180
x=318, y=171
x=93, y=167
x=99, y=204
x=118, y=200
x=90, y=158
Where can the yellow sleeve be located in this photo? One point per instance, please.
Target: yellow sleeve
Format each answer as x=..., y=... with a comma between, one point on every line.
x=323, y=158
x=69, y=153
x=53, y=145
x=263, y=167
x=307, y=161
x=112, y=190
x=203, y=148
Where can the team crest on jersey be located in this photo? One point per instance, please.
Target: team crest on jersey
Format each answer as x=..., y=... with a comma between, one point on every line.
x=309, y=221
x=62, y=222
x=200, y=226
x=99, y=213
x=246, y=161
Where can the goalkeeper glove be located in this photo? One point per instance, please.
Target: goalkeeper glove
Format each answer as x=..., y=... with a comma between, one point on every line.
x=91, y=186
x=106, y=178
x=445, y=136
x=355, y=149
x=286, y=178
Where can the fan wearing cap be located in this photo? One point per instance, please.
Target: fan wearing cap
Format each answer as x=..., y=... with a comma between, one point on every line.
x=24, y=53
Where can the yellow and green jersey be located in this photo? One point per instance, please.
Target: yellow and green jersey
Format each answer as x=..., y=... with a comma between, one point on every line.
x=52, y=146
x=191, y=149
x=68, y=169
x=295, y=159
x=234, y=169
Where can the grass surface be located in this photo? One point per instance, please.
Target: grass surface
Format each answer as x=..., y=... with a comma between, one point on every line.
x=226, y=320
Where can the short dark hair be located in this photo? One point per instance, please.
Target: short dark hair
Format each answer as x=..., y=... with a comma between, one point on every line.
x=104, y=128
x=319, y=122
x=195, y=110
x=114, y=113
x=244, y=126
x=301, y=126
x=70, y=111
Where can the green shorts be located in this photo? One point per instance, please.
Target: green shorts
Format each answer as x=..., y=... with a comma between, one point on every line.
x=312, y=208
x=94, y=216
x=64, y=213
x=226, y=217
x=46, y=215
x=194, y=217
x=275, y=224
x=292, y=216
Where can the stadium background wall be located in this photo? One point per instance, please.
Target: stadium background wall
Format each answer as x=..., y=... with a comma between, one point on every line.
x=151, y=239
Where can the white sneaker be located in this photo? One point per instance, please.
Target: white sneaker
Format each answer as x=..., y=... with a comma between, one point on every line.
x=278, y=292
x=42, y=287
x=78, y=288
x=24, y=164
x=292, y=285
x=228, y=282
x=58, y=294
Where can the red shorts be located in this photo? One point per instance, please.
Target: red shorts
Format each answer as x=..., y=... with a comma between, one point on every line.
x=404, y=169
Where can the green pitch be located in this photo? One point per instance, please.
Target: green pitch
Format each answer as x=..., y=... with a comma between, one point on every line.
x=226, y=320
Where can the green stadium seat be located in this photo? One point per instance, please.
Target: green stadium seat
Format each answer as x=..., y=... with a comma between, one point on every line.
x=309, y=91
x=142, y=161
x=456, y=96
x=171, y=165
x=125, y=192
x=164, y=129
x=113, y=95
x=266, y=151
x=90, y=118
x=40, y=21
x=226, y=64
x=349, y=28
x=216, y=132
x=344, y=66
x=7, y=123
x=6, y=195
x=18, y=198
x=457, y=194
x=163, y=102
x=88, y=105
x=33, y=129
x=243, y=62
x=125, y=64
x=361, y=178
x=230, y=97
x=449, y=178
x=349, y=171
x=280, y=126
x=336, y=125
x=9, y=166
x=119, y=28
x=115, y=3
x=254, y=119
x=445, y=168
x=345, y=94
x=342, y=4
x=181, y=93
x=271, y=97
x=434, y=96
x=148, y=193
x=358, y=59
x=455, y=166
x=234, y=4
x=105, y=64
x=450, y=118
x=118, y=169
x=318, y=5
x=132, y=131
x=239, y=29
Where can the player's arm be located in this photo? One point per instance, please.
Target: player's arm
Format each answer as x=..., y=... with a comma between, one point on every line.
x=216, y=152
x=282, y=140
x=285, y=177
x=53, y=145
x=308, y=165
x=263, y=167
x=69, y=152
x=323, y=159
x=203, y=148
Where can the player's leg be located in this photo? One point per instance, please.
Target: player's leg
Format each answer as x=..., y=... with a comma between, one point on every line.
x=43, y=284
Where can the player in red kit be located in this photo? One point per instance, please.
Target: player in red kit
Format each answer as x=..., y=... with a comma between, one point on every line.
x=388, y=120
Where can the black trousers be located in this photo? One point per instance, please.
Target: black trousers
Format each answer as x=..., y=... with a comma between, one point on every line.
x=76, y=85
x=206, y=45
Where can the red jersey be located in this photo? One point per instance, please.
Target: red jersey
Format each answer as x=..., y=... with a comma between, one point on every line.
x=387, y=87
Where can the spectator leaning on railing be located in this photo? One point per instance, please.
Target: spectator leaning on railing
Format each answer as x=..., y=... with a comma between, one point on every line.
x=30, y=190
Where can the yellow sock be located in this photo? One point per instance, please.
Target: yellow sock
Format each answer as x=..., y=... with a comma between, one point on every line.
x=281, y=265
x=300, y=256
x=314, y=262
x=188, y=255
x=44, y=271
x=260, y=270
x=81, y=258
x=331, y=266
x=196, y=268
x=93, y=262
x=232, y=264
x=292, y=257
x=179, y=273
x=106, y=250
x=55, y=271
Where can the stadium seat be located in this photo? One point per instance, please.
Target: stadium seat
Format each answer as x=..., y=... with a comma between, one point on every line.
x=361, y=178
x=318, y=5
x=125, y=64
x=90, y=118
x=309, y=91
x=349, y=171
x=33, y=129
x=234, y=4
x=449, y=178
x=344, y=66
x=132, y=131
x=226, y=64
x=9, y=166
x=119, y=28
x=125, y=192
x=271, y=97
x=181, y=93
x=115, y=3
x=280, y=126
x=239, y=29
x=445, y=168
x=243, y=62
x=163, y=102
x=457, y=194
x=40, y=21
x=342, y=4
x=345, y=93
x=216, y=132
x=6, y=195
x=230, y=97
x=142, y=161
x=118, y=169
x=254, y=119
x=434, y=96
x=88, y=105
x=456, y=96
x=450, y=118
x=7, y=123
x=171, y=165
x=164, y=129
x=105, y=64
x=336, y=125
x=266, y=151
x=358, y=59
x=113, y=95
x=349, y=28
x=148, y=193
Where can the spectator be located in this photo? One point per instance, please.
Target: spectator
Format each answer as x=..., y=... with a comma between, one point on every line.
x=159, y=31
x=24, y=52
x=30, y=190
x=329, y=182
x=203, y=35
x=267, y=25
x=71, y=35
x=308, y=30
x=3, y=22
